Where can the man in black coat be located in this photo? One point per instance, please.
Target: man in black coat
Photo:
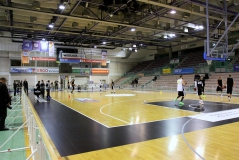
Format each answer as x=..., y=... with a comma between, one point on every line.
x=25, y=85
x=15, y=87
x=4, y=102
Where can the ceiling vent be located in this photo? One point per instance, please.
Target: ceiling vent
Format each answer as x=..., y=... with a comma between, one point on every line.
x=36, y=5
x=74, y=24
x=33, y=19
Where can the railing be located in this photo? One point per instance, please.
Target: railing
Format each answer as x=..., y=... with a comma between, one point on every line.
x=40, y=143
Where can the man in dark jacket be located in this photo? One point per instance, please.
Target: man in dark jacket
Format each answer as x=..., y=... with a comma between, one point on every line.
x=15, y=87
x=25, y=85
x=4, y=102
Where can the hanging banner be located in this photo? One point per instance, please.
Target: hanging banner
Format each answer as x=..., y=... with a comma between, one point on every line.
x=26, y=53
x=44, y=46
x=103, y=63
x=27, y=45
x=51, y=49
x=36, y=46
x=104, y=55
x=25, y=59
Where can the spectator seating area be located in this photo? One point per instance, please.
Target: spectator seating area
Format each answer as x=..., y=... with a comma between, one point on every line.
x=140, y=67
x=121, y=80
x=193, y=60
x=158, y=64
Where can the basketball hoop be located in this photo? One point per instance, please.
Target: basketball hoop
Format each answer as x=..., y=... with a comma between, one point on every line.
x=209, y=62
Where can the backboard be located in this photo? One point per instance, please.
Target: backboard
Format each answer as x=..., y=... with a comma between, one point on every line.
x=218, y=54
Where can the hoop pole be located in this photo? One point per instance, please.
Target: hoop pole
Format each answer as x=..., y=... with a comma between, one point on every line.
x=208, y=36
x=224, y=33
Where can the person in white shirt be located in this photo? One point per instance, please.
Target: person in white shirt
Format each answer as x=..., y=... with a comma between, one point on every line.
x=180, y=88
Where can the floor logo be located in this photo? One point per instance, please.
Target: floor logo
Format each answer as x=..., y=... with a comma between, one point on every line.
x=218, y=116
x=84, y=100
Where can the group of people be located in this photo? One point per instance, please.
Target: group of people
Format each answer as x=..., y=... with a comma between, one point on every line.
x=229, y=84
x=199, y=87
x=41, y=86
x=17, y=86
x=134, y=82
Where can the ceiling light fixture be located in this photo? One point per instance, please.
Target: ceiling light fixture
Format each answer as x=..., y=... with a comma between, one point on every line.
x=111, y=15
x=136, y=50
x=103, y=42
x=172, y=11
x=51, y=26
x=62, y=6
x=134, y=45
x=130, y=49
x=132, y=29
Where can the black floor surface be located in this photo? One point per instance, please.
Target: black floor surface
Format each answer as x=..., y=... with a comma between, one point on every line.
x=73, y=133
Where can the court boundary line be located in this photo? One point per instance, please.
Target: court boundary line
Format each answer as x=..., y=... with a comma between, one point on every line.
x=80, y=113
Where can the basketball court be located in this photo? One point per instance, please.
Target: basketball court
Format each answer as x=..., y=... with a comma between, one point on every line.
x=139, y=125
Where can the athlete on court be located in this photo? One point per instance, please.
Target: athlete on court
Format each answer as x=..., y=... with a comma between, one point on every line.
x=180, y=88
x=230, y=84
x=112, y=86
x=73, y=85
x=199, y=85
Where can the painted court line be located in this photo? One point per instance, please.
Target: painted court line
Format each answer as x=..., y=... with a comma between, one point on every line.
x=80, y=113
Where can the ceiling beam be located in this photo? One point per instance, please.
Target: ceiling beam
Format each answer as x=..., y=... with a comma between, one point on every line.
x=79, y=18
x=178, y=9
x=77, y=33
x=72, y=10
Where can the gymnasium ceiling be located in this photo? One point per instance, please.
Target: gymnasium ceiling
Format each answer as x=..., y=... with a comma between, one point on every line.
x=93, y=22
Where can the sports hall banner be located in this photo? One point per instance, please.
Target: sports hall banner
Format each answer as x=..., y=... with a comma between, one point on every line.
x=166, y=70
x=104, y=54
x=42, y=59
x=69, y=60
x=100, y=71
x=236, y=67
x=25, y=59
x=34, y=70
x=71, y=55
x=81, y=71
x=184, y=71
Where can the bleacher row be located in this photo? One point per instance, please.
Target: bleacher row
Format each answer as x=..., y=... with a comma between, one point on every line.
x=191, y=60
x=169, y=82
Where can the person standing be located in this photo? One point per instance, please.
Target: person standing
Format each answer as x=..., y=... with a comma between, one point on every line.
x=219, y=85
x=56, y=85
x=48, y=87
x=25, y=86
x=112, y=86
x=15, y=87
x=199, y=86
x=230, y=84
x=42, y=88
x=180, y=88
x=4, y=102
x=73, y=85
x=203, y=82
x=68, y=85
